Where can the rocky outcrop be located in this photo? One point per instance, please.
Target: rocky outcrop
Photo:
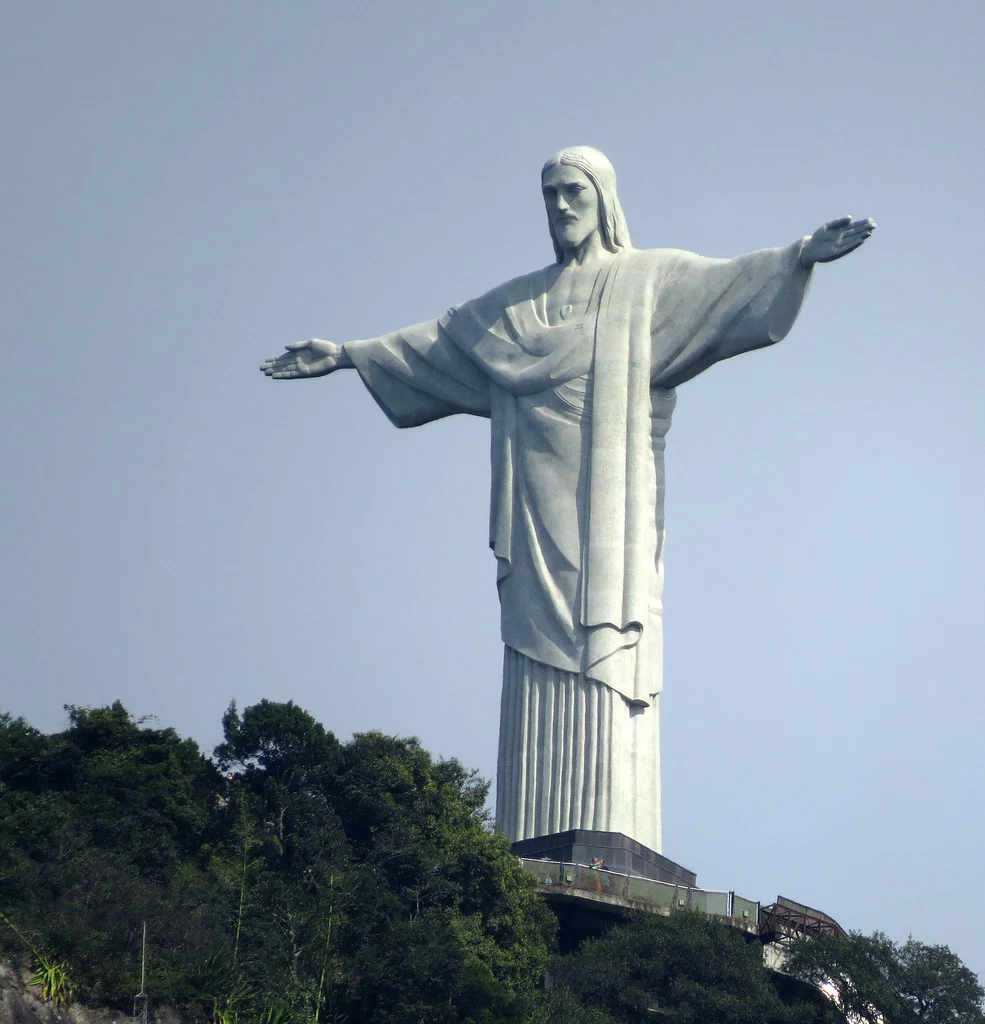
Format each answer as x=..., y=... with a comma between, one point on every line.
x=20, y=1003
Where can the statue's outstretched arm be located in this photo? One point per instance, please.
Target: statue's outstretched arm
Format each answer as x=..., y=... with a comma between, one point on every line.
x=835, y=239
x=311, y=358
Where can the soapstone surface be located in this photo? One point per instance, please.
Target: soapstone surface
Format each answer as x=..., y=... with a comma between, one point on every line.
x=576, y=366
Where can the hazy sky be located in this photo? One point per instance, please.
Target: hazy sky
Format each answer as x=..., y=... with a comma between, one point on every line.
x=189, y=186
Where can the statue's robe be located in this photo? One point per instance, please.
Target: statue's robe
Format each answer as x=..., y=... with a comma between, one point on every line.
x=579, y=412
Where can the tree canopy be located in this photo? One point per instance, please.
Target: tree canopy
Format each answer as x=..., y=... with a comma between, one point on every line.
x=687, y=968
x=874, y=979
x=292, y=878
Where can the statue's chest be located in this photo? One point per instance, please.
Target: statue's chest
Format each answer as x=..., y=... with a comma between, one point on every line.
x=570, y=296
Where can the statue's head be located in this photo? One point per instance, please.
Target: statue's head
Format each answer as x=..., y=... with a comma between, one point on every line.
x=578, y=170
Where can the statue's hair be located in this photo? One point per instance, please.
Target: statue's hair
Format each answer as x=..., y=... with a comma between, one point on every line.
x=596, y=167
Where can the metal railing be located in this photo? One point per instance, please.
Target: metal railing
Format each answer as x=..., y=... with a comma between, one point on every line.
x=660, y=896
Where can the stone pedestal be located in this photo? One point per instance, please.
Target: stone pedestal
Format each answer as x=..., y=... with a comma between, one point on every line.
x=620, y=853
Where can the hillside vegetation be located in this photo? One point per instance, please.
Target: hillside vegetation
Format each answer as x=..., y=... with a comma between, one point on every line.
x=295, y=879
x=293, y=876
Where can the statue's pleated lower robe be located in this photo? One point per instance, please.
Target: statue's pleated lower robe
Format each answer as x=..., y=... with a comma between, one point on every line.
x=579, y=413
x=574, y=753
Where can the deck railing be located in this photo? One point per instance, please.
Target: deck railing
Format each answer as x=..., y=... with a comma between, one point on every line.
x=663, y=897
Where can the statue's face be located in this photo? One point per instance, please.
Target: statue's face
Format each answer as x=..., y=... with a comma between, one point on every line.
x=572, y=205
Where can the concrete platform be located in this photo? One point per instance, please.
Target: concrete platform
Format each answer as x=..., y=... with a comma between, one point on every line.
x=619, y=852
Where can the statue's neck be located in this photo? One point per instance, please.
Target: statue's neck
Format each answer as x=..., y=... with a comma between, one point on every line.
x=589, y=252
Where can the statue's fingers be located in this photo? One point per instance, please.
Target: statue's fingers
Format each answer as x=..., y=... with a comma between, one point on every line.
x=841, y=249
x=846, y=248
x=285, y=374
x=295, y=345
x=838, y=223
x=859, y=235
x=855, y=234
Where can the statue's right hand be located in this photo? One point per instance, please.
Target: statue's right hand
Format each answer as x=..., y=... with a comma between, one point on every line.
x=312, y=358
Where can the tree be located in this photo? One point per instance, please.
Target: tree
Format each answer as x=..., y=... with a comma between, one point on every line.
x=373, y=883
x=874, y=979
x=281, y=741
x=307, y=882
x=282, y=858
x=559, y=1005
x=100, y=829
x=688, y=966
x=322, y=882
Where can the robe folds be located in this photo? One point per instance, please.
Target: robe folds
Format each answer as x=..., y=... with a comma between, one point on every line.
x=579, y=412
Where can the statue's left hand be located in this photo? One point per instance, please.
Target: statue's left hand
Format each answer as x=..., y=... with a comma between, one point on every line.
x=835, y=239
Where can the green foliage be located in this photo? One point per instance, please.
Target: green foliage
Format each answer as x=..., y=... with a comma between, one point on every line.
x=562, y=1006
x=100, y=829
x=296, y=879
x=687, y=967
x=293, y=880
x=876, y=979
x=49, y=975
x=391, y=899
x=280, y=741
x=54, y=981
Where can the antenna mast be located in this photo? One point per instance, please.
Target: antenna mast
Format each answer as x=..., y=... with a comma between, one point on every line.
x=141, y=997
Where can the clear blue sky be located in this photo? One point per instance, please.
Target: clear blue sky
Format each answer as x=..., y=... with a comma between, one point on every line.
x=188, y=186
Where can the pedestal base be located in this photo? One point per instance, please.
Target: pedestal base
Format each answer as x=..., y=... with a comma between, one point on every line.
x=620, y=853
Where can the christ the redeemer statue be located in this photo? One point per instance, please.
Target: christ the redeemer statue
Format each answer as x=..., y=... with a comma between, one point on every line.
x=576, y=367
